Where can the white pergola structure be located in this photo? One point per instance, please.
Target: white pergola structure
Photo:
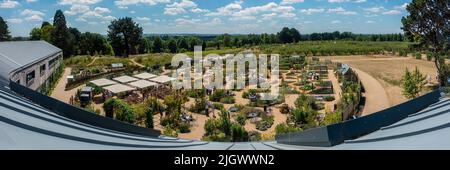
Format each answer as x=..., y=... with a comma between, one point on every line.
x=145, y=76
x=142, y=84
x=103, y=82
x=119, y=88
x=162, y=79
x=125, y=79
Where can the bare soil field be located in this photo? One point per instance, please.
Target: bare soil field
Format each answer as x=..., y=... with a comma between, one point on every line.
x=388, y=70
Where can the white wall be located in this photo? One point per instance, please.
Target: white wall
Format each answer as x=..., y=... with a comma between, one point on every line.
x=38, y=80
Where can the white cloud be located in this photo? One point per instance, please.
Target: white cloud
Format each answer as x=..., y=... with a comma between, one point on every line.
x=143, y=19
x=311, y=11
x=31, y=12
x=32, y=15
x=237, y=12
x=227, y=10
x=182, y=7
x=269, y=16
x=392, y=12
x=77, y=9
x=285, y=2
x=79, y=2
x=342, y=11
x=342, y=1
x=97, y=13
x=375, y=9
x=35, y=18
x=183, y=21
x=101, y=10
x=124, y=3
x=335, y=22
x=30, y=1
x=370, y=22
x=14, y=20
x=9, y=4
x=401, y=7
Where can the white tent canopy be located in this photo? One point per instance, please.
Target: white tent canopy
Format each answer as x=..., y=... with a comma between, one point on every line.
x=145, y=75
x=162, y=79
x=125, y=79
x=119, y=88
x=103, y=82
x=142, y=84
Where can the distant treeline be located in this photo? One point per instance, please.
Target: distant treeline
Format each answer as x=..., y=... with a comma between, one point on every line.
x=125, y=37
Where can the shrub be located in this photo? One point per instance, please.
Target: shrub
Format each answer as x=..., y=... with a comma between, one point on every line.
x=169, y=131
x=217, y=95
x=241, y=118
x=418, y=55
x=308, y=87
x=429, y=56
x=184, y=127
x=228, y=100
x=218, y=106
x=238, y=133
x=254, y=136
x=329, y=98
x=284, y=109
x=210, y=127
x=284, y=129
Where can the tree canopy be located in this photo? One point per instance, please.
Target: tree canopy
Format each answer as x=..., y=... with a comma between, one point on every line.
x=124, y=35
x=428, y=23
x=61, y=36
x=4, y=32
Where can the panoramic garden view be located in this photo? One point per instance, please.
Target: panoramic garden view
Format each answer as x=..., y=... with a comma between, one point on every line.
x=327, y=75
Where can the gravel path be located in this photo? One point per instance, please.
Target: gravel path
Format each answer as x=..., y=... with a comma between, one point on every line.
x=376, y=97
x=60, y=92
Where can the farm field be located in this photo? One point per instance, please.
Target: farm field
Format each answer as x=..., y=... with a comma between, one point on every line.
x=388, y=70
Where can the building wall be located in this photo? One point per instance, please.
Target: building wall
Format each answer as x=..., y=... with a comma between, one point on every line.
x=39, y=79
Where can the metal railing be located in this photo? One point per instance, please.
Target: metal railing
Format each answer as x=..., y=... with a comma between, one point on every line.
x=79, y=114
x=337, y=133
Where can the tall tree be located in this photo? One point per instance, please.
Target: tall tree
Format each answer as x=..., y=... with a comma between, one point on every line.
x=93, y=43
x=36, y=34
x=46, y=33
x=285, y=35
x=183, y=44
x=295, y=35
x=76, y=35
x=61, y=36
x=124, y=35
x=172, y=45
x=4, y=32
x=144, y=46
x=428, y=23
x=226, y=40
x=157, y=45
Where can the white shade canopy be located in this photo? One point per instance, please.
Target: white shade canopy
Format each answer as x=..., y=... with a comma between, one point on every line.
x=145, y=75
x=142, y=84
x=162, y=79
x=125, y=79
x=119, y=88
x=103, y=82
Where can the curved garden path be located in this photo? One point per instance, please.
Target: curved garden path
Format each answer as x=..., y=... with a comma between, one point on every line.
x=136, y=63
x=376, y=97
x=92, y=62
x=60, y=92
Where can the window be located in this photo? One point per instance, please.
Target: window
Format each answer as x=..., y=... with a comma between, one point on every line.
x=52, y=62
x=42, y=70
x=30, y=77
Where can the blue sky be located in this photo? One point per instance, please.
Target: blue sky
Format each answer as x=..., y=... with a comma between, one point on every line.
x=212, y=16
